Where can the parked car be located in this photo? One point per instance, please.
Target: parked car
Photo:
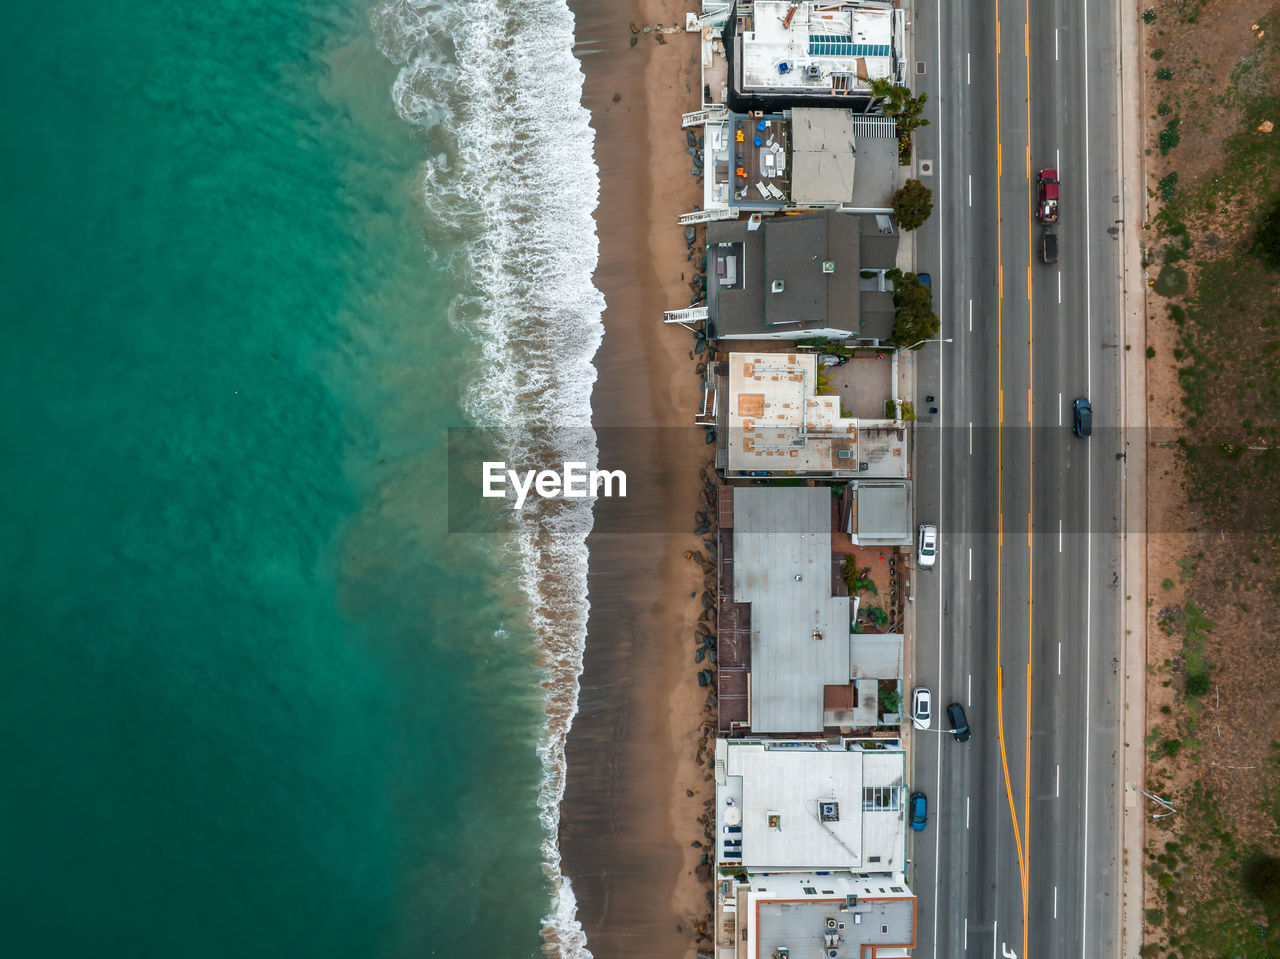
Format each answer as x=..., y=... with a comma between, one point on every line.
x=919, y=811
x=1082, y=414
x=927, y=552
x=959, y=725
x=921, y=708
x=1047, y=208
x=1048, y=247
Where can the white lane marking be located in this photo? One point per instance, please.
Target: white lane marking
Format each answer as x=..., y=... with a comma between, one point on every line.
x=967, y=77
x=970, y=189
x=971, y=440
x=1055, y=902
x=1059, y=536
x=1059, y=409
x=1059, y=286
x=1057, y=781
x=971, y=564
x=971, y=316
x=942, y=443
x=966, y=933
x=1088, y=554
x=966, y=812
x=968, y=696
x=995, y=937
x=1055, y=43
x=1057, y=159
x=1059, y=659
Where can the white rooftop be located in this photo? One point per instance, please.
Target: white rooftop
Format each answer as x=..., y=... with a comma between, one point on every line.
x=778, y=423
x=822, y=48
x=805, y=807
x=799, y=630
x=822, y=155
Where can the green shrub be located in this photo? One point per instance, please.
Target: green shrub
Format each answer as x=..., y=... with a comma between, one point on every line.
x=1164, y=73
x=1168, y=185
x=1157, y=54
x=1149, y=15
x=1169, y=136
x=912, y=204
x=1171, y=282
x=890, y=409
x=1266, y=242
x=1262, y=878
x=1164, y=109
x=1196, y=684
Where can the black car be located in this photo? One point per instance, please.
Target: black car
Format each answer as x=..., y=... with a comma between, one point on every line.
x=1048, y=247
x=959, y=725
x=1083, y=416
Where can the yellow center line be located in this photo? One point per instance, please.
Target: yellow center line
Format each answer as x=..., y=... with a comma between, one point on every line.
x=1019, y=830
x=1004, y=759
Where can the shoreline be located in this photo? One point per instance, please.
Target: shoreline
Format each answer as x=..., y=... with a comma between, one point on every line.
x=634, y=787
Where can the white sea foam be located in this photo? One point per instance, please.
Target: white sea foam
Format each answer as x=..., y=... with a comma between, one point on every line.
x=494, y=88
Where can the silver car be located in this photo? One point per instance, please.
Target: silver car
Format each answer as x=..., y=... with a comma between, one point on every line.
x=927, y=552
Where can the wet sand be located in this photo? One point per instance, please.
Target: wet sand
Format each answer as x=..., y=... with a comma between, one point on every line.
x=628, y=821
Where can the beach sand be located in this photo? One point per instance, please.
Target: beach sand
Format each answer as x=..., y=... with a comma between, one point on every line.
x=634, y=790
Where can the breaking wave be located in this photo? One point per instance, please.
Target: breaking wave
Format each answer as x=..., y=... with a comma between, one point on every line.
x=511, y=187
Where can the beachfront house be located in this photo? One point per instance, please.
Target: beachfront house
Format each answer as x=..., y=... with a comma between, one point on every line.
x=799, y=159
x=799, y=277
x=789, y=658
x=816, y=53
x=773, y=418
x=811, y=849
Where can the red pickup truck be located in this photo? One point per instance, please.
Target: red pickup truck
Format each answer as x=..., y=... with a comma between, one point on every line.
x=1047, y=210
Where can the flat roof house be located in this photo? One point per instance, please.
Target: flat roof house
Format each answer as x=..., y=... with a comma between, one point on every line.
x=817, y=53
x=812, y=838
x=776, y=423
x=802, y=158
x=790, y=631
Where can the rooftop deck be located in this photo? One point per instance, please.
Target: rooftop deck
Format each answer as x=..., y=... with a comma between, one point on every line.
x=819, y=48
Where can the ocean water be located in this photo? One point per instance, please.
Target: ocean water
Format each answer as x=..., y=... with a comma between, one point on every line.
x=255, y=699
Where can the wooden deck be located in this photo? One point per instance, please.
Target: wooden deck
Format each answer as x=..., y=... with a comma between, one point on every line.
x=733, y=628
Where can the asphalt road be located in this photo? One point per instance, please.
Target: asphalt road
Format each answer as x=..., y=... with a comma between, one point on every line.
x=1020, y=621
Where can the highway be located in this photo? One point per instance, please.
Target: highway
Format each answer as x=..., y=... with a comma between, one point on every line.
x=1020, y=620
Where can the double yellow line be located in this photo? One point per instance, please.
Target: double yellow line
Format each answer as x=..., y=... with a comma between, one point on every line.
x=1021, y=832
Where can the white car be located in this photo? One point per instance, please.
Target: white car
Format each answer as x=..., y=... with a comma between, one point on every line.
x=921, y=708
x=927, y=553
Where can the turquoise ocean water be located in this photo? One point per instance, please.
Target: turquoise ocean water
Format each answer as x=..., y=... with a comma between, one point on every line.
x=254, y=699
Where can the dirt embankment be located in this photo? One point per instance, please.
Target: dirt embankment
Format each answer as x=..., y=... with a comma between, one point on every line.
x=1212, y=91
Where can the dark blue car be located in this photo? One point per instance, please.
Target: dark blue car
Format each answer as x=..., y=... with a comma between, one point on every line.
x=919, y=811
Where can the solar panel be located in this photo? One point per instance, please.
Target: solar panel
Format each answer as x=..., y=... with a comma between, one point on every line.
x=836, y=45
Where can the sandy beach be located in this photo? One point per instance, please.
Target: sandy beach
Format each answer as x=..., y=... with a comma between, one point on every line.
x=635, y=789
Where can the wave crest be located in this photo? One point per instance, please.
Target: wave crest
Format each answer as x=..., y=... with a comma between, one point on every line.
x=496, y=93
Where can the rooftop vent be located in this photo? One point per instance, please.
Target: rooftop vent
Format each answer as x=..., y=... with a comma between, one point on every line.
x=831, y=922
x=829, y=811
x=777, y=286
x=828, y=266
x=812, y=71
